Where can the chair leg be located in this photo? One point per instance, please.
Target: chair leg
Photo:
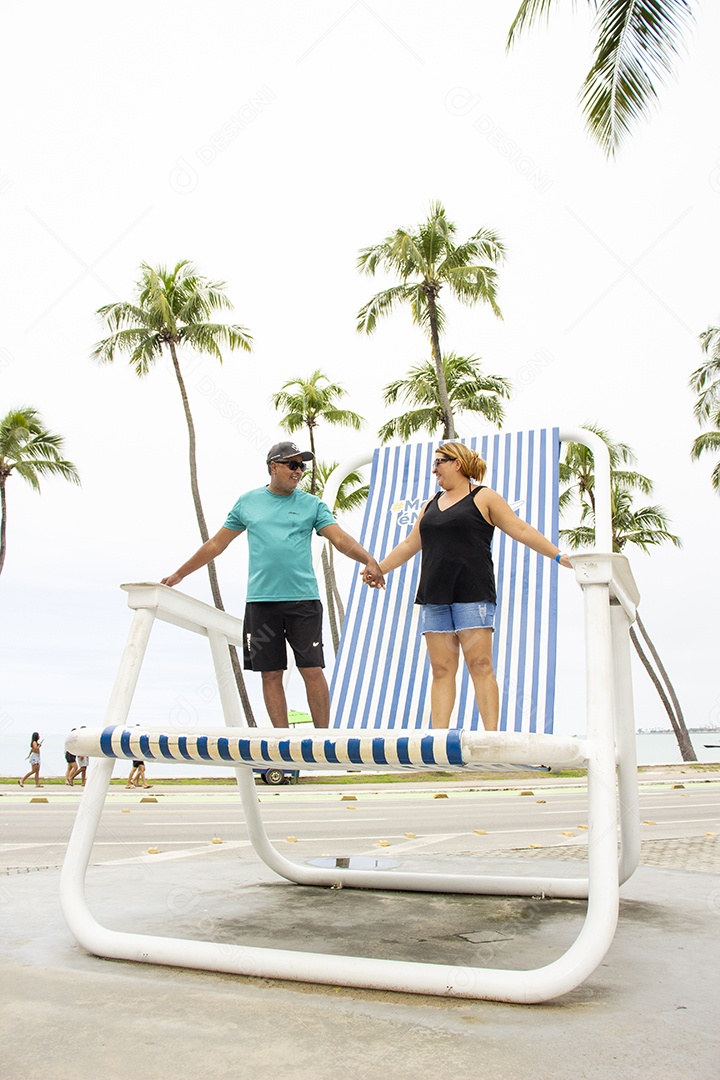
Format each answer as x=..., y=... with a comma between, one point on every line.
x=395, y=880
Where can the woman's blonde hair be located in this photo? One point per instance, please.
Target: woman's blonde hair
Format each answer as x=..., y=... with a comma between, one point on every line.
x=471, y=464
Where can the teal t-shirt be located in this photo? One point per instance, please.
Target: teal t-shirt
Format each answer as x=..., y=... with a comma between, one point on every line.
x=280, y=529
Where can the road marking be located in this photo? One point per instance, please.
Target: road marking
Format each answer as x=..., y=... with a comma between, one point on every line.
x=168, y=856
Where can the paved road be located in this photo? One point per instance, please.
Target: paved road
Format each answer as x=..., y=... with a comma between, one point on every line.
x=681, y=824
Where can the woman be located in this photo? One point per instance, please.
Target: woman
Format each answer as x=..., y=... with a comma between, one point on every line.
x=34, y=760
x=81, y=767
x=137, y=773
x=72, y=767
x=457, y=582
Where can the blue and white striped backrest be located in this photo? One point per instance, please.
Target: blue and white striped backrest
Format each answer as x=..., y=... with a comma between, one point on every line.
x=381, y=676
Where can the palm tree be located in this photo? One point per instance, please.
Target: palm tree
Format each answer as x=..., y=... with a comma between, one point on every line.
x=352, y=493
x=306, y=403
x=173, y=310
x=426, y=259
x=644, y=527
x=468, y=390
x=30, y=450
x=705, y=381
x=709, y=443
x=636, y=44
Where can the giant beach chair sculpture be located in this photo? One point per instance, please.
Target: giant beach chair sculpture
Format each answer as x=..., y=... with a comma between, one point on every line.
x=379, y=691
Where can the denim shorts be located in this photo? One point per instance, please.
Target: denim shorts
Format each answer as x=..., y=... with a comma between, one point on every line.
x=449, y=618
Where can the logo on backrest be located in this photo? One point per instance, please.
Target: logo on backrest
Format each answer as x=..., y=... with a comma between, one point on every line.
x=407, y=511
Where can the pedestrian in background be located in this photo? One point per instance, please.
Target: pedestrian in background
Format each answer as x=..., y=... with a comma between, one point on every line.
x=81, y=768
x=137, y=773
x=34, y=760
x=72, y=769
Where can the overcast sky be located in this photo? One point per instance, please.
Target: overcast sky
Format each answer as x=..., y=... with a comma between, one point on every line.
x=268, y=143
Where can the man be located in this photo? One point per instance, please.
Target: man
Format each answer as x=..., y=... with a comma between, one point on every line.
x=283, y=600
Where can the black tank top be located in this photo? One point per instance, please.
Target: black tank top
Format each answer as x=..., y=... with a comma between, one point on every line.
x=457, y=566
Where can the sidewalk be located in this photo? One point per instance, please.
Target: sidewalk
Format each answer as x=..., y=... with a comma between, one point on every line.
x=649, y=1011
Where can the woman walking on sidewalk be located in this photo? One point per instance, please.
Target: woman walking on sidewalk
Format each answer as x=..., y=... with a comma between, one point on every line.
x=137, y=773
x=34, y=760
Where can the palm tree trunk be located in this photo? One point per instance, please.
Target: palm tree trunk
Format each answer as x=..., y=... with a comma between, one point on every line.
x=686, y=749
x=430, y=291
x=313, y=477
x=332, y=619
x=3, y=521
x=676, y=718
x=212, y=572
x=336, y=592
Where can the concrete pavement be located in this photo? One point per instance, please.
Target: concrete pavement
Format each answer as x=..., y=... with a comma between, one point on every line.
x=650, y=1009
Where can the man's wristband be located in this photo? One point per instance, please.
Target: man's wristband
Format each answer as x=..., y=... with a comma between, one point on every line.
x=558, y=557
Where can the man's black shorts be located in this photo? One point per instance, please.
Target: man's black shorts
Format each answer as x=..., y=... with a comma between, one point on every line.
x=267, y=626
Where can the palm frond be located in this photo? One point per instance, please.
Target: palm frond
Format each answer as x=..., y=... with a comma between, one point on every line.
x=383, y=303
x=708, y=442
x=473, y=284
x=343, y=418
x=636, y=48
x=352, y=493
x=705, y=380
x=409, y=255
x=485, y=247
x=715, y=477
x=580, y=537
x=122, y=315
x=32, y=470
x=632, y=481
x=644, y=528
x=530, y=11
x=142, y=347
x=209, y=337
x=567, y=499
x=405, y=426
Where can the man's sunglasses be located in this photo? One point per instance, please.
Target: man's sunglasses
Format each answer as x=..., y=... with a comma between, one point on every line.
x=294, y=465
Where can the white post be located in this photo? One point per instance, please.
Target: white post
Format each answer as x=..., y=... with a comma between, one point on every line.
x=625, y=744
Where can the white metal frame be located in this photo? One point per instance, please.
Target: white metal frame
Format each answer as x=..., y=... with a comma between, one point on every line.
x=610, y=598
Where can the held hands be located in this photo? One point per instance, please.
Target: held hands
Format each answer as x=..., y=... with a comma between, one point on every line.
x=373, y=576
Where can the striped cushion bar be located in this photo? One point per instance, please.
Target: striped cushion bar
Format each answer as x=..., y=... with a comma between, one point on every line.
x=324, y=750
x=382, y=677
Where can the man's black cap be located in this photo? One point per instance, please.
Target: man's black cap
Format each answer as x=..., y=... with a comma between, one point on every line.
x=283, y=450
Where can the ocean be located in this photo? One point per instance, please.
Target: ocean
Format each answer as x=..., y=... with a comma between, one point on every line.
x=656, y=748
